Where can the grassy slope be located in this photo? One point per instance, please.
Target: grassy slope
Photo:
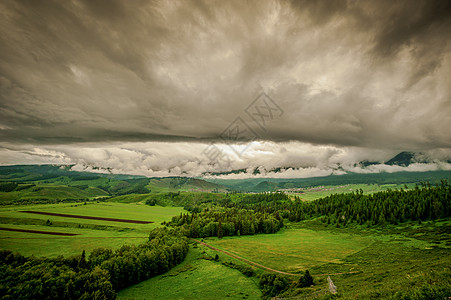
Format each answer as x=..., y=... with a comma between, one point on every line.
x=257, y=184
x=174, y=184
x=51, y=191
x=401, y=258
x=387, y=267
x=195, y=278
x=48, y=183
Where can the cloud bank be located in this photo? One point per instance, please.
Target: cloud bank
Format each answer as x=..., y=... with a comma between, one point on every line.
x=158, y=159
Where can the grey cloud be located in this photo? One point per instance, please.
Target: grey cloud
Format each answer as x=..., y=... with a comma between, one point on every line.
x=408, y=22
x=368, y=74
x=320, y=12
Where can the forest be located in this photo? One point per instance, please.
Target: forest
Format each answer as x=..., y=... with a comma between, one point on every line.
x=425, y=202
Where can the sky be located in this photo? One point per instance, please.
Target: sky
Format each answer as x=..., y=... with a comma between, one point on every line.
x=184, y=88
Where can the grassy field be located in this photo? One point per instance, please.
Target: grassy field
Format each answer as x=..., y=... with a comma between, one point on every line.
x=318, y=192
x=92, y=233
x=195, y=278
x=293, y=250
x=363, y=263
x=386, y=267
x=401, y=259
x=132, y=198
x=381, y=261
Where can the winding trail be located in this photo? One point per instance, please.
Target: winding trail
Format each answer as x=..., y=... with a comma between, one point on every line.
x=262, y=266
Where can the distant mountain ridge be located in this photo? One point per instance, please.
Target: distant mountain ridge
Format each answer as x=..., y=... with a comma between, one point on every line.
x=274, y=184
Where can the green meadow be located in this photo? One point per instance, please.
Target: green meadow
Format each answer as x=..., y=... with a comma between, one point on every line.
x=363, y=264
x=293, y=250
x=51, y=192
x=53, y=246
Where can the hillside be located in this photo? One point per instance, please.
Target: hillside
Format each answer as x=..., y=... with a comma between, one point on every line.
x=273, y=184
x=50, y=183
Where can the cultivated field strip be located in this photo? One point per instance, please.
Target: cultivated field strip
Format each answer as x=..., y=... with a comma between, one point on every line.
x=65, y=237
x=38, y=231
x=86, y=217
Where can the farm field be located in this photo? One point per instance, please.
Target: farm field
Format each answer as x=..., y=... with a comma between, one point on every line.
x=195, y=278
x=91, y=234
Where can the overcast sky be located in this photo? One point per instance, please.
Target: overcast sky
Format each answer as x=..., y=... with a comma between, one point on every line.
x=156, y=87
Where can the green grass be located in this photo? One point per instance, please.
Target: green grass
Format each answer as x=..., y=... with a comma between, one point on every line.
x=389, y=267
x=93, y=233
x=164, y=185
x=318, y=192
x=133, y=211
x=293, y=250
x=397, y=259
x=52, y=246
x=132, y=198
x=195, y=278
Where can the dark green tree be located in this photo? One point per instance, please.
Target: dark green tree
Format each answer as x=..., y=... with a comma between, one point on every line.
x=220, y=232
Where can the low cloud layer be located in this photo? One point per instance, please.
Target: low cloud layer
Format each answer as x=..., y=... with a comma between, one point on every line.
x=166, y=78
x=158, y=159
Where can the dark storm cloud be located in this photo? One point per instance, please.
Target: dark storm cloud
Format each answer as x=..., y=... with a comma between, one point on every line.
x=409, y=22
x=346, y=73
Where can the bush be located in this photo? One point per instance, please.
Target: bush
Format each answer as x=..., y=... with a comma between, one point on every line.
x=245, y=270
x=7, y=186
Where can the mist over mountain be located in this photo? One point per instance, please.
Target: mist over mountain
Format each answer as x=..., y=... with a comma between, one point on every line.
x=402, y=162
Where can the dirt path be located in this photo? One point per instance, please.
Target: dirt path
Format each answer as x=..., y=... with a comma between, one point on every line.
x=85, y=217
x=262, y=266
x=38, y=231
x=342, y=273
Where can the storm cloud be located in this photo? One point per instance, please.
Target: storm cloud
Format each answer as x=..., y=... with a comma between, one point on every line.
x=363, y=78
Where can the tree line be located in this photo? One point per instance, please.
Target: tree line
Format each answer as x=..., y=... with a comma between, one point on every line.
x=425, y=202
x=222, y=221
x=98, y=277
